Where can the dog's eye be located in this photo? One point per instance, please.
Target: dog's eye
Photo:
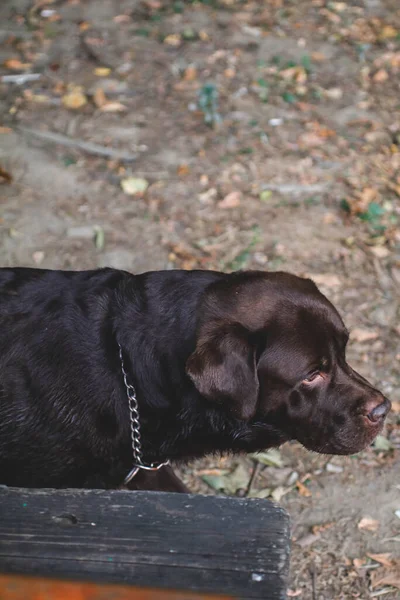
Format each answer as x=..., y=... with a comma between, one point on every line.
x=312, y=377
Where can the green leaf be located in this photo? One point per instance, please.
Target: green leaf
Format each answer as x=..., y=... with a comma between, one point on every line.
x=264, y=493
x=272, y=458
x=382, y=443
x=217, y=482
x=99, y=237
x=265, y=195
x=344, y=205
x=288, y=97
x=237, y=480
x=306, y=62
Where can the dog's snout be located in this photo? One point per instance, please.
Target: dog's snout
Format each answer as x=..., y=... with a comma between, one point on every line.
x=377, y=410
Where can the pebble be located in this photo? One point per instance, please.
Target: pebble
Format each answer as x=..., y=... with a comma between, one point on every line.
x=333, y=468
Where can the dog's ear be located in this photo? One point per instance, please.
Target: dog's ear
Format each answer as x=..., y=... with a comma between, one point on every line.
x=223, y=368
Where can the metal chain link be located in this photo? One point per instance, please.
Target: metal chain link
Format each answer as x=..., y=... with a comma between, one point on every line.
x=135, y=428
x=133, y=414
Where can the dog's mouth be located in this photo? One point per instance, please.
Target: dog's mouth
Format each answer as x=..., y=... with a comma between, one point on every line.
x=347, y=442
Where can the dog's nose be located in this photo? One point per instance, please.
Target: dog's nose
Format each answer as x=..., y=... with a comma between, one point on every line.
x=377, y=410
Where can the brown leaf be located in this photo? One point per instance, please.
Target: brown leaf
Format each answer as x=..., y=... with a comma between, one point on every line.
x=112, y=107
x=190, y=74
x=74, y=99
x=329, y=280
x=381, y=76
x=380, y=251
x=388, y=32
x=368, y=524
x=307, y=540
x=174, y=39
x=384, y=576
x=359, y=562
x=84, y=26
x=321, y=528
x=384, y=559
x=99, y=97
x=102, y=71
x=232, y=200
x=303, y=490
x=183, y=170
x=363, y=335
x=5, y=177
x=14, y=64
x=311, y=140
x=333, y=93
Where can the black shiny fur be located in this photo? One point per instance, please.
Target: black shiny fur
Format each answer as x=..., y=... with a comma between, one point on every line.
x=217, y=361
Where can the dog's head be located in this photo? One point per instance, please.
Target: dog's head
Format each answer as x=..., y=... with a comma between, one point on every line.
x=271, y=349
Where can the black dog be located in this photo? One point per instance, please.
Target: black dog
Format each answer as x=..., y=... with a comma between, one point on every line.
x=220, y=363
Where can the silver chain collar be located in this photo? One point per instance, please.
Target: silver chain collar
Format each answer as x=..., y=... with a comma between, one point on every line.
x=135, y=429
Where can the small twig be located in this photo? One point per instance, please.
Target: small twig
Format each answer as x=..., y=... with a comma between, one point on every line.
x=295, y=189
x=89, y=147
x=381, y=592
x=313, y=581
x=254, y=473
x=21, y=78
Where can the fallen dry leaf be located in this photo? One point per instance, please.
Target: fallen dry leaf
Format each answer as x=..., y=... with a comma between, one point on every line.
x=112, y=107
x=208, y=196
x=327, y=279
x=174, y=39
x=384, y=559
x=14, y=64
x=307, y=540
x=333, y=93
x=363, y=335
x=37, y=98
x=190, y=74
x=38, y=257
x=293, y=593
x=134, y=186
x=84, y=26
x=5, y=176
x=183, y=170
x=102, y=71
x=380, y=76
x=323, y=527
x=311, y=140
x=396, y=407
x=380, y=251
x=74, y=99
x=99, y=97
x=303, y=490
x=359, y=562
x=5, y=130
x=384, y=576
x=232, y=200
x=388, y=32
x=368, y=524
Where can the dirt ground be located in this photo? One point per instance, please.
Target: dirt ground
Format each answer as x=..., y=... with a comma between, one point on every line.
x=229, y=134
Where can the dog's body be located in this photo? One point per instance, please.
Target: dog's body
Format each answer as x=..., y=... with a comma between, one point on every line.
x=220, y=363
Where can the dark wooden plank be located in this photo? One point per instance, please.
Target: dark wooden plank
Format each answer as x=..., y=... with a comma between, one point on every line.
x=223, y=545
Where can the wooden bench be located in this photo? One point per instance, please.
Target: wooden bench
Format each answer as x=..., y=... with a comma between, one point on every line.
x=198, y=545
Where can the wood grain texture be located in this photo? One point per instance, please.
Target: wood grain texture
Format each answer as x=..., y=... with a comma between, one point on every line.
x=223, y=545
